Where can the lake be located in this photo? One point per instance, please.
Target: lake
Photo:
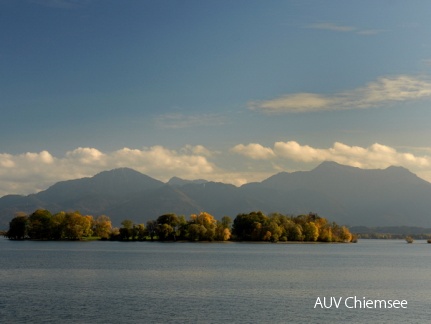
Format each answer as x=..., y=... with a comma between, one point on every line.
x=153, y=282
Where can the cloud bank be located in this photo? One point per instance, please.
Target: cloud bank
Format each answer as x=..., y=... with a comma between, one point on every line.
x=383, y=91
x=31, y=172
x=376, y=156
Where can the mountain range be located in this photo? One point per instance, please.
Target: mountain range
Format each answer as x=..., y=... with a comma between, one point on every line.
x=344, y=194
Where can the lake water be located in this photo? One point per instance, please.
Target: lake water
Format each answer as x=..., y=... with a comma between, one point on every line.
x=144, y=282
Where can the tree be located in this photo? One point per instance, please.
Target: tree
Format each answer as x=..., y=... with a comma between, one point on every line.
x=344, y=234
x=325, y=234
x=164, y=231
x=196, y=232
x=222, y=230
x=18, y=228
x=207, y=223
x=245, y=226
x=39, y=225
x=151, y=228
x=310, y=232
x=126, y=232
x=226, y=222
x=273, y=232
x=102, y=226
x=167, y=226
x=58, y=226
x=294, y=233
x=77, y=226
x=141, y=232
x=182, y=231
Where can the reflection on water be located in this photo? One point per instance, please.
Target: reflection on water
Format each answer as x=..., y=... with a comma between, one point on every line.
x=106, y=282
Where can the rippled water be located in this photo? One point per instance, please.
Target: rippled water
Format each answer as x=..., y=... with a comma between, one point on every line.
x=114, y=282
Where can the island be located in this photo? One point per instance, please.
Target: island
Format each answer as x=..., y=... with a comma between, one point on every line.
x=253, y=226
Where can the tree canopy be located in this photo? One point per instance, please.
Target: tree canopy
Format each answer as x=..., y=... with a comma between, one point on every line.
x=254, y=226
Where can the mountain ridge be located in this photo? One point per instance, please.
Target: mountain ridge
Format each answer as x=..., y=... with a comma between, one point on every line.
x=348, y=195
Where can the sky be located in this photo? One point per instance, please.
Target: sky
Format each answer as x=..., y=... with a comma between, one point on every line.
x=231, y=91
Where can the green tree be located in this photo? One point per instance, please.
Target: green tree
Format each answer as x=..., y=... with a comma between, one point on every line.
x=274, y=231
x=226, y=222
x=58, y=226
x=245, y=226
x=294, y=233
x=39, y=225
x=141, y=232
x=126, y=232
x=196, y=232
x=167, y=226
x=151, y=228
x=18, y=228
x=164, y=231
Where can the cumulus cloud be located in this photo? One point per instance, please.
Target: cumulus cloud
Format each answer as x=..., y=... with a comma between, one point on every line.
x=34, y=171
x=254, y=151
x=376, y=156
x=31, y=172
x=381, y=92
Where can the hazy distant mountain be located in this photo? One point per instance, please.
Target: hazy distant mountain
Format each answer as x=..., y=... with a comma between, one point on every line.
x=347, y=195
x=175, y=181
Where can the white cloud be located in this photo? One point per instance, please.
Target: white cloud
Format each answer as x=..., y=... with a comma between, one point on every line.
x=253, y=151
x=376, y=156
x=86, y=155
x=162, y=163
x=197, y=150
x=31, y=172
x=383, y=91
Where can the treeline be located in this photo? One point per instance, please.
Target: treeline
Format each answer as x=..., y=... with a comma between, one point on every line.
x=392, y=232
x=254, y=226
x=42, y=225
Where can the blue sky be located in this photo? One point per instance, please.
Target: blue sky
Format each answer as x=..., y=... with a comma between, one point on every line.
x=229, y=91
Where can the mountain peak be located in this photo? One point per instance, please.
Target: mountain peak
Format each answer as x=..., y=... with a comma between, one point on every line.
x=119, y=173
x=178, y=182
x=331, y=165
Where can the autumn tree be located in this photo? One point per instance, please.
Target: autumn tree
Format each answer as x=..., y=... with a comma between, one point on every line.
x=272, y=232
x=310, y=232
x=102, y=226
x=207, y=226
x=77, y=226
x=222, y=230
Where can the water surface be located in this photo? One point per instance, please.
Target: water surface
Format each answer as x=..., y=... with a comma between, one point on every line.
x=145, y=282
